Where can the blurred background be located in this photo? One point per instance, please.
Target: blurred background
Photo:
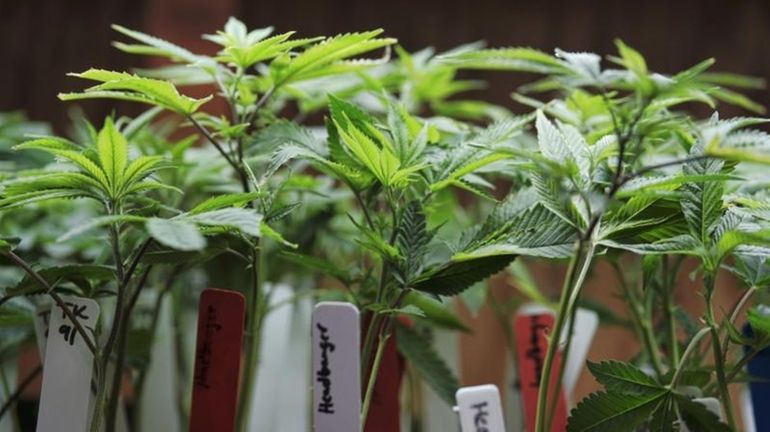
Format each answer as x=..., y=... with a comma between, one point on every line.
x=42, y=40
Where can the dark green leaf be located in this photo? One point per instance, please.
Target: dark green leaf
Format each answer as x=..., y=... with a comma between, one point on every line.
x=418, y=352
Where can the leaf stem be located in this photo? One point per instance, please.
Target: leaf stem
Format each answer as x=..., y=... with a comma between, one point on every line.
x=691, y=347
x=573, y=282
x=373, y=378
x=56, y=298
x=719, y=363
x=16, y=395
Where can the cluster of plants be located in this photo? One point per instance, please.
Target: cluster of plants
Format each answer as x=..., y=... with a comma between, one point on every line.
x=357, y=171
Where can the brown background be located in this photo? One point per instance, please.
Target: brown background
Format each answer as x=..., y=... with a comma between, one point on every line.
x=41, y=40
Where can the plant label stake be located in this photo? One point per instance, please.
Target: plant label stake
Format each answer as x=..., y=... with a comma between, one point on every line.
x=336, y=368
x=67, y=369
x=480, y=409
x=532, y=325
x=41, y=321
x=586, y=323
x=217, y=360
x=384, y=412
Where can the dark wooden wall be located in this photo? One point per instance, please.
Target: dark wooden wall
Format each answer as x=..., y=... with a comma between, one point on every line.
x=41, y=40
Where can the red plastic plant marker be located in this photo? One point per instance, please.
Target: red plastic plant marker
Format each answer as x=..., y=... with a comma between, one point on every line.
x=217, y=361
x=384, y=413
x=531, y=345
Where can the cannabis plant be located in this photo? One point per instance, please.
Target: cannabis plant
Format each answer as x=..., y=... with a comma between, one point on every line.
x=621, y=166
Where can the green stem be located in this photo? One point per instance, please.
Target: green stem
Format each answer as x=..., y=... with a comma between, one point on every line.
x=719, y=363
x=576, y=273
x=668, y=278
x=642, y=324
x=373, y=377
x=252, y=339
x=691, y=347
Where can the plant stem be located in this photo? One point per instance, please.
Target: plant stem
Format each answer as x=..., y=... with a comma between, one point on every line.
x=734, y=315
x=373, y=377
x=719, y=364
x=641, y=323
x=56, y=298
x=103, y=402
x=16, y=395
x=255, y=311
x=668, y=278
x=691, y=347
x=573, y=282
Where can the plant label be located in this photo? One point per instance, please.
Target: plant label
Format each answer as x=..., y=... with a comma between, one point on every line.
x=336, y=368
x=41, y=321
x=217, y=360
x=67, y=368
x=384, y=412
x=759, y=369
x=480, y=409
x=586, y=323
x=532, y=326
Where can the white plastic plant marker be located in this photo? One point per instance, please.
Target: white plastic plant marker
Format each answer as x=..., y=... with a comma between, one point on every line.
x=438, y=415
x=336, y=368
x=40, y=322
x=480, y=409
x=747, y=411
x=281, y=400
x=712, y=404
x=67, y=369
x=159, y=399
x=586, y=323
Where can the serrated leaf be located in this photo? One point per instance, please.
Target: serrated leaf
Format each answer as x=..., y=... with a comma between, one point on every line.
x=437, y=313
x=623, y=378
x=697, y=417
x=245, y=220
x=611, y=412
x=79, y=274
x=320, y=59
x=412, y=238
x=121, y=85
x=420, y=355
x=453, y=277
x=316, y=264
x=99, y=222
x=154, y=46
x=223, y=201
x=176, y=233
x=112, y=148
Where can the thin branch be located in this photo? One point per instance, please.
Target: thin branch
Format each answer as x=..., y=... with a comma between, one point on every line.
x=16, y=395
x=55, y=296
x=214, y=142
x=649, y=168
x=135, y=261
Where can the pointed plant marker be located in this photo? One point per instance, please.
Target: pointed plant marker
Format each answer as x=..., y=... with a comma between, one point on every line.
x=480, y=409
x=586, y=323
x=217, y=360
x=532, y=325
x=67, y=369
x=336, y=368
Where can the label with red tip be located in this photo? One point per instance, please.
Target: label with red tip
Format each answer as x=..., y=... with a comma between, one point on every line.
x=480, y=409
x=532, y=325
x=217, y=360
x=68, y=368
x=336, y=368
